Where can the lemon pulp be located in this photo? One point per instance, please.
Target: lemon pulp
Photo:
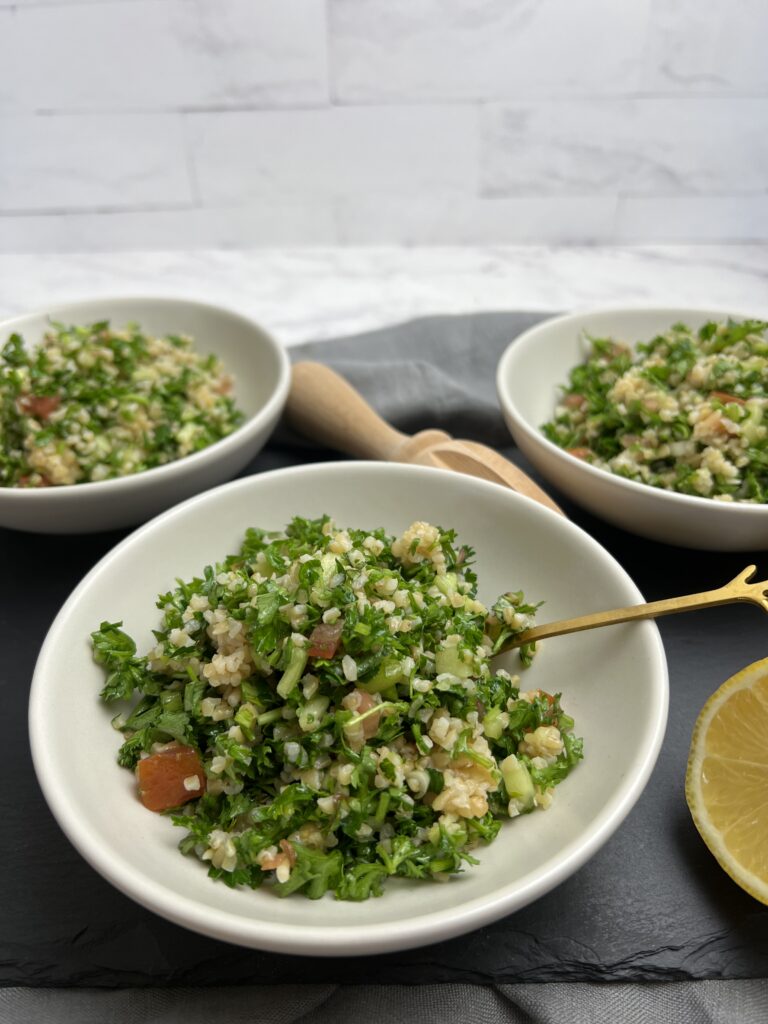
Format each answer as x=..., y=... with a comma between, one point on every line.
x=726, y=783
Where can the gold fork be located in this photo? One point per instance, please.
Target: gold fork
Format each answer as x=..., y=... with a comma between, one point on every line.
x=739, y=589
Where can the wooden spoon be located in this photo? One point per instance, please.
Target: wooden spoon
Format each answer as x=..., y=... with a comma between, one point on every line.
x=326, y=407
x=323, y=405
x=739, y=589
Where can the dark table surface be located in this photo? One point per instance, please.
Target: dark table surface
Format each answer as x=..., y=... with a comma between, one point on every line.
x=653, y=904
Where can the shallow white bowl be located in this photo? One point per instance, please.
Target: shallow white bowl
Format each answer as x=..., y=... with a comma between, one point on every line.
x=261, y=373
x=614, y=682
x=528, y=382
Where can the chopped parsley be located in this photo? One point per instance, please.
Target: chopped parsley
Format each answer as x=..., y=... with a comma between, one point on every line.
x=337, y=688
x=91, y=403
x=687, y=412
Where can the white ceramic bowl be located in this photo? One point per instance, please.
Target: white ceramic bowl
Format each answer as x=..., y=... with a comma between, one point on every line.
x=261, y=373
x=528, y=382
x=614, y=682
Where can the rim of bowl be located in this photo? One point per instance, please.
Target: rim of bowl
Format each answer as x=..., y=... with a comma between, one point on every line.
x=252, y=424
x=363, y=938
x=535, y=434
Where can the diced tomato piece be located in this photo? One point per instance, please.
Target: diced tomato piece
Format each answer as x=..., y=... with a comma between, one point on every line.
x=39, y=406
x=359, y=702
x=371, y=723
x=725, y=398
x=324, y=640
x=161, y=777
x=573, y=401
x=579, y=453
x=24, y=481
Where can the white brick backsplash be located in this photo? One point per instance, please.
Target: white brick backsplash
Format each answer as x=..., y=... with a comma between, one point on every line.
x=563, y=220
x=164, y=54
x=64, y=3
x=334, y=152
x=692, y=219
x=642, y=146
x=191, y=123
x=57, y=3
x=485, y=49
x=222, y=228
x=430, y=221
x=92, y=162
x=707, y=46
x=8, y=84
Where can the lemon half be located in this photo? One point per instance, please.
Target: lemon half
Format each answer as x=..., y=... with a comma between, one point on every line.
x=726, y=784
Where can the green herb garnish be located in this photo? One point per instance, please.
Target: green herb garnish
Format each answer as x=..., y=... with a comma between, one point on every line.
x=337, y=686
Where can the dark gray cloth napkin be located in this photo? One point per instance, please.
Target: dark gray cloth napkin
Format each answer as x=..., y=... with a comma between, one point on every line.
x=682, y=1002
x=439, y=371
x=651, y=905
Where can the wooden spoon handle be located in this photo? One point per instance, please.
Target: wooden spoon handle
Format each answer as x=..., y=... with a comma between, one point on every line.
x=739, y=589
x=323, y=406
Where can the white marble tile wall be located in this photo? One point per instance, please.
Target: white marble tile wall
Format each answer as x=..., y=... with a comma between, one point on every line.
x=189, y=123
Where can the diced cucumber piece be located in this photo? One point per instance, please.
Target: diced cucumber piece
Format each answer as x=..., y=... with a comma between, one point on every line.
x=328, y=567
x=269, y=717
x=388, y=675
x=750, y=428
x=321, y=592
x=517, y=782
x=245, y=717
x=493, y=724
x=447, y=583
x=451, y=659
x=292, y=674
x=311, y=715
x=171, y=701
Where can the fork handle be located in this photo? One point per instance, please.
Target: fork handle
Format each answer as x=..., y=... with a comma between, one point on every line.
x=323, y=406
x=738, y=589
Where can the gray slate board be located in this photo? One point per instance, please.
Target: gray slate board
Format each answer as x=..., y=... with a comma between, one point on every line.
x=651, y=905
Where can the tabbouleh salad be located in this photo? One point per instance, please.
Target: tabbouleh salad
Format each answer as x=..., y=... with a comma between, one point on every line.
x=320, y=711
x=688, y=412
x=91, y=403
